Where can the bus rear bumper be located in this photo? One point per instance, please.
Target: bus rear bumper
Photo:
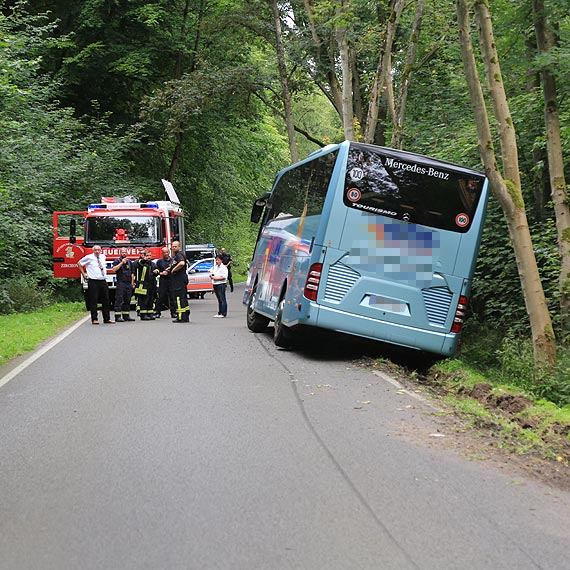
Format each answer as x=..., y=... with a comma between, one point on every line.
x=436, y=342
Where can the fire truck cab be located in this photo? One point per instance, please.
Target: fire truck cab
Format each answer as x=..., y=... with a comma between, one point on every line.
x=115, y=223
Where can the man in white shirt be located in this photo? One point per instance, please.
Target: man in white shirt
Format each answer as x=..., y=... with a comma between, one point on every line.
x=219, y=277
x=93, y=268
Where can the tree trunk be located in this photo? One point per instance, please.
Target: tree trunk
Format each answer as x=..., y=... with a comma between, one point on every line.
x=179, y=136
x=508, y=189
x=357, y=105
x=546, y=39
x=285, y=94
x=335, y=94
x=400, y=107
x=346, y=70
x=383, y=72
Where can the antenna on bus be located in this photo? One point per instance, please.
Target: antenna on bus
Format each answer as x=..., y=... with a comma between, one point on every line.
x=170, y=192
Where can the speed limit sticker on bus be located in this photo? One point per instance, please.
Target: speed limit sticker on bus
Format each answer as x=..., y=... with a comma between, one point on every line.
x=462, y=220
x=353, y=194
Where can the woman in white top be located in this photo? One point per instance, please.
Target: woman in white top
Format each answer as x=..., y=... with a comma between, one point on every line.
x=219, y=276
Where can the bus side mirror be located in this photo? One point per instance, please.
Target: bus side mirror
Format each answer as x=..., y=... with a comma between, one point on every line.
x=258, y=207
x=72, y=230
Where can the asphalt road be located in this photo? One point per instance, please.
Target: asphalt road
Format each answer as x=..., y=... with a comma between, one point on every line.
x=159, y=446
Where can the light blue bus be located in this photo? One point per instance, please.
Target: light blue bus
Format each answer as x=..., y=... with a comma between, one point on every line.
x=369, y=241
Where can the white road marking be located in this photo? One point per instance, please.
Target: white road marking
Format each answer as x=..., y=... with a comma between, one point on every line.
x=21, y=367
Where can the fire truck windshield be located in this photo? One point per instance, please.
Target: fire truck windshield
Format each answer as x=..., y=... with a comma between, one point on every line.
x=136, y=230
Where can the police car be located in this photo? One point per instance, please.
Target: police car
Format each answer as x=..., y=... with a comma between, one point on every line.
x=200, y=263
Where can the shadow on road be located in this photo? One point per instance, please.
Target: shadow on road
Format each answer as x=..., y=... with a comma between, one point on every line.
x=321, y=345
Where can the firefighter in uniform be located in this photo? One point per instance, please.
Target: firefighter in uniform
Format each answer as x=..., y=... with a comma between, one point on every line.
x=164, y=266
x=123, y=269
x=136, y=263
x=144, y=284
x=178, y=285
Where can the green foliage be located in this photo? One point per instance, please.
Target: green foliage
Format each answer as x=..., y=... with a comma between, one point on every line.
x=48, y=158
x=101, y=98
x=517, y=368
x=496, y=295
x=23, y=295
x=507, y=359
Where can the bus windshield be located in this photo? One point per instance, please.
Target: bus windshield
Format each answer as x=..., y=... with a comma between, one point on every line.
x=138, y=230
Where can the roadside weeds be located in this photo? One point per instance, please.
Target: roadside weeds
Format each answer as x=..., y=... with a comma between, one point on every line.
x=492, y=423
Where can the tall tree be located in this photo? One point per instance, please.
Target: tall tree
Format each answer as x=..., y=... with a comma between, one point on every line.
x=353, y=71
x=546, y=40
x=400, y=106
x=341, y=34
x=184, y=47
x=285, y=92
x=506, y=188
x=382, y=87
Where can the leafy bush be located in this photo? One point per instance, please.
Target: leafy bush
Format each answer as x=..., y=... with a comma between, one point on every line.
x=512, y=364
x=23, y=294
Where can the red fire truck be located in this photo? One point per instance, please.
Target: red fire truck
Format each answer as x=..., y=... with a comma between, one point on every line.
x=115, y=223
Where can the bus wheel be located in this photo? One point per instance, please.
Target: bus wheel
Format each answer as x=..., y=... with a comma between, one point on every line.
x=282, y=335
x=255, y=321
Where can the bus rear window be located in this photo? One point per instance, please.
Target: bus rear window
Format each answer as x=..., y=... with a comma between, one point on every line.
x=430, y=192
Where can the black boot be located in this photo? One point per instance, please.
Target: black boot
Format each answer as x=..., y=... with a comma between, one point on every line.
x=118, y=318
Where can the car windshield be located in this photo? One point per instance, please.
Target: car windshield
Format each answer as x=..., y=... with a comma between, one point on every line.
x=136, y=230
x=202, y=265
x=193, y=255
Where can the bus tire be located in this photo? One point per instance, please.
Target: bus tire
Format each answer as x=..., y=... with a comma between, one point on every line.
x=282, y=335
x=255, y=321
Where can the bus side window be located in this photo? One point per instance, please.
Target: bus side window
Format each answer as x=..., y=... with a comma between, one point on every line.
x=303, y=189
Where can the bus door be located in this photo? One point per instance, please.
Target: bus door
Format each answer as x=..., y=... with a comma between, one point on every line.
x=67, y=243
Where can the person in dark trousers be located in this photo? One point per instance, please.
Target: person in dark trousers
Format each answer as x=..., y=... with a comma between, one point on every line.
x=178, y=285
x=93, y=268
x=123, y=269
x=142, y=252
x=227, y=261
x=164, y=266
x=219, y=276
x=144, y=284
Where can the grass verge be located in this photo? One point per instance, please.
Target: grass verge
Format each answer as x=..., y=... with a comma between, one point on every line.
x=23, y=332
x=518, y=421
x=498, y=416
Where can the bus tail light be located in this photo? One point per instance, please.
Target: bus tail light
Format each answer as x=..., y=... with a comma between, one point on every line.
x=313, y=280
x=460, y=314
